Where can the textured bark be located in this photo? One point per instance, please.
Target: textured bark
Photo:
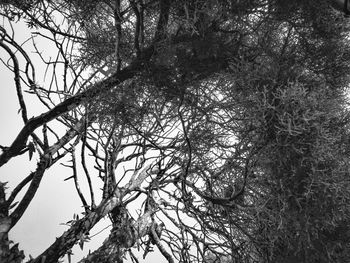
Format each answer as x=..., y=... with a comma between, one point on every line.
x=80, y=228
x=122, y=237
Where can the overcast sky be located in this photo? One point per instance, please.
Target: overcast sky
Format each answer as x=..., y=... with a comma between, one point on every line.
x=56, y=200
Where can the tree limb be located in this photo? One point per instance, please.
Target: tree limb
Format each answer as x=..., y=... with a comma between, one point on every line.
x=45, y=162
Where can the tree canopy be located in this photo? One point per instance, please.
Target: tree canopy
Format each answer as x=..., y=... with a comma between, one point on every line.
x=214, y=131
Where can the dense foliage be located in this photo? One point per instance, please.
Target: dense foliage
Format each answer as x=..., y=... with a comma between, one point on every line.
x=224, y=122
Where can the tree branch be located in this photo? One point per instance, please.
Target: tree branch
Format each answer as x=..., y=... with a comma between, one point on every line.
x=159, y=244
x=80, y=227
x=97, y=89
x=69, y=104
x=162, y=21
x=17, y=81
x=45, y=162
x=76, y=182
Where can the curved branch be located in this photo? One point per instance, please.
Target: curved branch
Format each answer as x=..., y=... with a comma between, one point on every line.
x=118, y=26
x=137, y=27
x=45, y=162
x=188, y=142
x=159, y=245
x=81, y=227
x=17, y=81
x=34, y=185
x=19, y=187
x=76, y=183
x=97, y=89
x=83, y=162
x=65, y=106
x=112, y=249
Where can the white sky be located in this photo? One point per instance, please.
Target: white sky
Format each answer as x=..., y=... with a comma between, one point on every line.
x=56, y=200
